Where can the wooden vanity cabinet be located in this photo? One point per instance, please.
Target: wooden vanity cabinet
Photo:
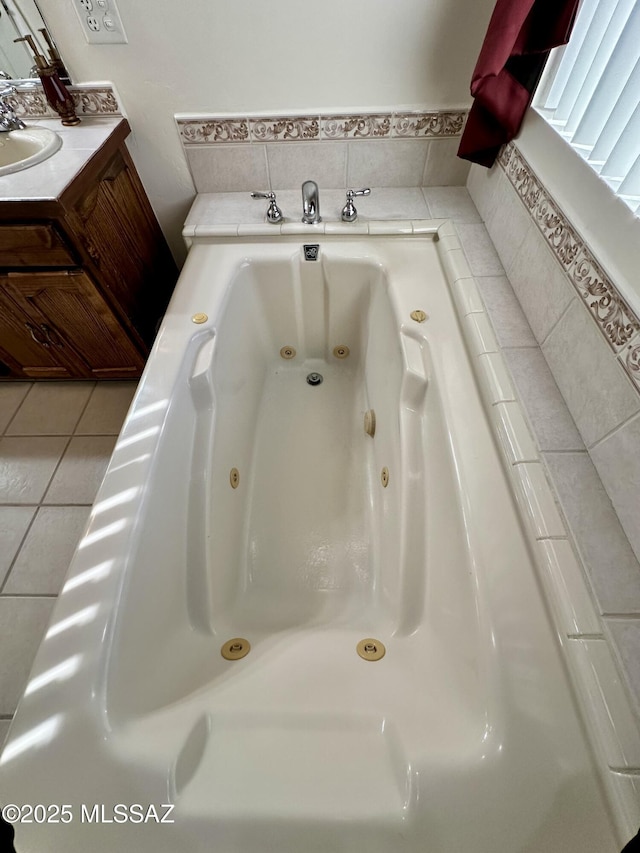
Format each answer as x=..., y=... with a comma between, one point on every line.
x=84, y=278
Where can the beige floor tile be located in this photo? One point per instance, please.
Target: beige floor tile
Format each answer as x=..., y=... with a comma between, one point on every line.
x=107, y=408
x=51, y=408
x=14, y=522
x=81, y=471
x=42, y=563
x=11, y=395
x=26, y=467
x=23, y=622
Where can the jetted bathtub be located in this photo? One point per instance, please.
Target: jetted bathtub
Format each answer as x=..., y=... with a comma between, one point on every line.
x=306, y=482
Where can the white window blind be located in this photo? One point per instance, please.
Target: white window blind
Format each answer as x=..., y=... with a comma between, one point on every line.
x=591, y=93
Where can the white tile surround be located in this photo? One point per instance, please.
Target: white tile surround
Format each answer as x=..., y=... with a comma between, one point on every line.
x=234, y=153
x=590, y=339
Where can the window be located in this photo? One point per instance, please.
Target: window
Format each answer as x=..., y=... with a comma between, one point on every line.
x=590, y=93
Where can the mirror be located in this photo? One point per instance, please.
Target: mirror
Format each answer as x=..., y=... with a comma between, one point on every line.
x=19, y=18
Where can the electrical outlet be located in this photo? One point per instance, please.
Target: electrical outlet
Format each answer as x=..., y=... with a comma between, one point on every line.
x=100, y=21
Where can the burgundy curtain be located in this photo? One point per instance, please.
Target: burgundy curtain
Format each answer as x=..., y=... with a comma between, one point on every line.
x=521, y=33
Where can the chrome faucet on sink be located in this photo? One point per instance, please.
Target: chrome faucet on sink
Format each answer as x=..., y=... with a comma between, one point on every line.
x=8, y=119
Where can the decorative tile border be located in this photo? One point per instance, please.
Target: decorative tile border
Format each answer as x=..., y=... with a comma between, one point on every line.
x=284, y=129
x=30, y=102
x=214, y=130
x=615, y=319
x=632, y=360
x=375, y=126
x=211, y=130
x=429, y=125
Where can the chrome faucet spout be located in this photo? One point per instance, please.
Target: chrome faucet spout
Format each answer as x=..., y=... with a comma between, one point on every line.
x=8, y=119
x=310, y=203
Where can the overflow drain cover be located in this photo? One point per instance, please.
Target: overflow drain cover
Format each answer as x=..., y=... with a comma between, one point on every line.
x=314, y=379
x=235, y=649
x=370, y=649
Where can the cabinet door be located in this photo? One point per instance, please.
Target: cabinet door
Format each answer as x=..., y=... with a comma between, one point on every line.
x=71, y=322
x=126, y=250
x=24, y=346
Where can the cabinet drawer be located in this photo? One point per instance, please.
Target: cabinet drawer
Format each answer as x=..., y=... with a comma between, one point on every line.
x=33, y=246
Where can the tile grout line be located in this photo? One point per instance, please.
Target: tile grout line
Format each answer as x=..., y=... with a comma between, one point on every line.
x=573, y=300
x=84, y=408
x=44, y=506
x=622, y=617
x=15, y=414
x=8, y=595
x=55, y=470
x=18, y=550
x=614, y=430
x=565, y=450
x=64, y=435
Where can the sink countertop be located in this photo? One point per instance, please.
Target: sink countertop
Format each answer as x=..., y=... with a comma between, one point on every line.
x=47, y=180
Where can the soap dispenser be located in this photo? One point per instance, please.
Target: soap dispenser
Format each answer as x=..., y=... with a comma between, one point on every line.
x=55, y=91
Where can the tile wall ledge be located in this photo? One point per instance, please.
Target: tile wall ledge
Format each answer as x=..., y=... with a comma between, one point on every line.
x=245, y=129
x=395, y=210
x=615, y=319
x=378, y=228
x=90, y=99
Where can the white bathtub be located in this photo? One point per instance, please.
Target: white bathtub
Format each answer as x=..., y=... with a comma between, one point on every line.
x=463, y=737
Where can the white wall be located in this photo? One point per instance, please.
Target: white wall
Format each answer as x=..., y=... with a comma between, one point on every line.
x=268, y=55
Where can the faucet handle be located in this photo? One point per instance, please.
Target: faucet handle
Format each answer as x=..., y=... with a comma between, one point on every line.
x=349, y=212
x=274, y=214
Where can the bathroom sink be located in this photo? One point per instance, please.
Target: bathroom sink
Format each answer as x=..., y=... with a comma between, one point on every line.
x=20, y=149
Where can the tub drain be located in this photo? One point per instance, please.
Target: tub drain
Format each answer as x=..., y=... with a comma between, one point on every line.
x=314, y=379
